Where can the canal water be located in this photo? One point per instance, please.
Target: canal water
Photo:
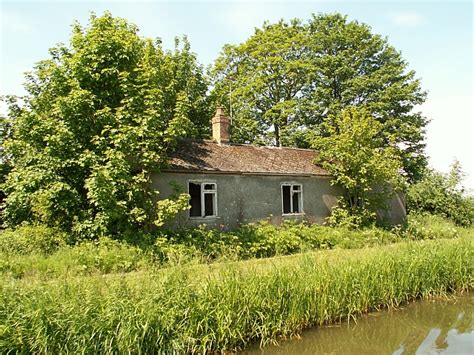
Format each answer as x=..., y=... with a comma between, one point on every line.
x=423, y=327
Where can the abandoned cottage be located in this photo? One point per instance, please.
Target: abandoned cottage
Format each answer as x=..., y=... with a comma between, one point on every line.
x=232, y=184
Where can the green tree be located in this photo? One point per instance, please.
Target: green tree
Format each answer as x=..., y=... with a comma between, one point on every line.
x=287, y=79
x=262, y=83
x=98, y=120
x=356, y=154
x=442, y=194
x=5, y=167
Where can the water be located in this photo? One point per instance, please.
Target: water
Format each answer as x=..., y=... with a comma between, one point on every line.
x=423, y=327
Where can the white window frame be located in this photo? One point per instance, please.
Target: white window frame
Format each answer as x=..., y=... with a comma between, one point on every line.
x=292, y=191
x=202, y=196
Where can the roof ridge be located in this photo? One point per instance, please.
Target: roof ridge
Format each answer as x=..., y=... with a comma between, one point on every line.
x=210, y=141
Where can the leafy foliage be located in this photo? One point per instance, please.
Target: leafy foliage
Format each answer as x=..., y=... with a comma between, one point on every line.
x=266, y=76
x=355, y=153
x=289, y=78
x=29, y=239
x=4, y=161
x=99, y=118
x=442, y=194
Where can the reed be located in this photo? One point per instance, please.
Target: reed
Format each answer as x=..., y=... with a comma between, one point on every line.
x=224, y=306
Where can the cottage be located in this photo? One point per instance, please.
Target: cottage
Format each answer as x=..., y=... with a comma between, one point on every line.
x=232, y=184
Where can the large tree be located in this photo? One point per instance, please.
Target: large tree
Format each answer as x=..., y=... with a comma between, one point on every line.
x=99, y=117
x=355, y=152
x=287, y=79
x=262, y=82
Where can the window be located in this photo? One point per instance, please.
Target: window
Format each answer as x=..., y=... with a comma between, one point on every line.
x=292, y=198
x=203, y=199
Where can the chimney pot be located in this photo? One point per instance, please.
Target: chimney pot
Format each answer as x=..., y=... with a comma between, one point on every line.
x=220, y=126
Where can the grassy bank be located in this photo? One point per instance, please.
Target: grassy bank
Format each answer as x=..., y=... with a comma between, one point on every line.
x=41, y=252
x=223, y=306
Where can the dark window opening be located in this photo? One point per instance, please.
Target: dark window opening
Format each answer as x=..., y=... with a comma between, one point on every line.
x=208, y=204
x=292, y=199
x=195, y=193
x=286, y=199
x=296, y=203
x=203, y=199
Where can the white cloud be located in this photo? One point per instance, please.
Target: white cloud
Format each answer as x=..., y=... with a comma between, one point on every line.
x=408, y=19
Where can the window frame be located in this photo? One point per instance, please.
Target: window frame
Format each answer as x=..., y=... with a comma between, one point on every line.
x=203, y=192
x=292, y=191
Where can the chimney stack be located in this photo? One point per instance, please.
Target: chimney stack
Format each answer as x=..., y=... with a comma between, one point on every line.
x=220, y=127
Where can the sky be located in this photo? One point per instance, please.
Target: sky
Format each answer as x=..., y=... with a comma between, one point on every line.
x=434, y=37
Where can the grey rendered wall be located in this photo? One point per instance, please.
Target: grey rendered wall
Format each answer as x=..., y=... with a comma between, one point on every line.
x=250, y=198
x=396, y=213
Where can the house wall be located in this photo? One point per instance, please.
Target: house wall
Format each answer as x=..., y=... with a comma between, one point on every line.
x=250, y=198
x=396, y=213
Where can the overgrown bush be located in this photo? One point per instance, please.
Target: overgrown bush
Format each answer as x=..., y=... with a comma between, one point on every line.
x=442, y=194
x=263, y=239
x=89, y=257
x=99, y=117
x=364, y=161
x=32, y=239
x=427, y=226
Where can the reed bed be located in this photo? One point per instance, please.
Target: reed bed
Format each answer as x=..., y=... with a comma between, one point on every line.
x=227, y=306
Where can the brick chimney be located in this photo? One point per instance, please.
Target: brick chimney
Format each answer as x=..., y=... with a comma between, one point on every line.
x=220, y=127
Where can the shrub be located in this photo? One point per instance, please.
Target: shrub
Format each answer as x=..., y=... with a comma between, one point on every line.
x=427, y=226
x=102, y=256
x=38, y=250
x=262, y=239
x=28, y=239
x=441, y=194
x=105, y=255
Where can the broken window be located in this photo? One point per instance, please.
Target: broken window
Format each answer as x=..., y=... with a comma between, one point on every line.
x=203, y=199
x=292, y=195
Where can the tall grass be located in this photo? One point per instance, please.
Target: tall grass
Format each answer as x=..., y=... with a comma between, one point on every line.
x=223, y=306
x=39, y=251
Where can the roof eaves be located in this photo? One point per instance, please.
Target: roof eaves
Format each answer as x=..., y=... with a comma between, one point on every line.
x=221, y=172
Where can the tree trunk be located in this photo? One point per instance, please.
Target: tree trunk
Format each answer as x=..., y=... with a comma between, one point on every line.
x=277, y=134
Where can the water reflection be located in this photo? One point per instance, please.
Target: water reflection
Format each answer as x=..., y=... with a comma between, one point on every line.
x=425, y=327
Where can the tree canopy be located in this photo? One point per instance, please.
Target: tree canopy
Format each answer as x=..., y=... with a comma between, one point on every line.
x=288, y=78
x=355, y=153
x=99, y=117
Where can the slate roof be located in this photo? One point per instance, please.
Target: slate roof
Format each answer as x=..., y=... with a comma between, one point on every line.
x=211, y=157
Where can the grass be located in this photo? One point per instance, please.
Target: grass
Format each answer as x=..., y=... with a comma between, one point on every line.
x=223, y=306
x=45, y=253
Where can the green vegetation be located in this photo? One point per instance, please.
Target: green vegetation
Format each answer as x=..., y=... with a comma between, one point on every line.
x=39, y=251
x=442, y=195
x=100, y=115
x=86, y=266
x=289, y=78
x=358, y=156
x=223, y=306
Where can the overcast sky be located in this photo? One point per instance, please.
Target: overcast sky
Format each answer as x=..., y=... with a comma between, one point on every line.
x=435, y=37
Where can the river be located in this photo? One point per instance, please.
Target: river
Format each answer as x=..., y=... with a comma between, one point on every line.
x=422, y=327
